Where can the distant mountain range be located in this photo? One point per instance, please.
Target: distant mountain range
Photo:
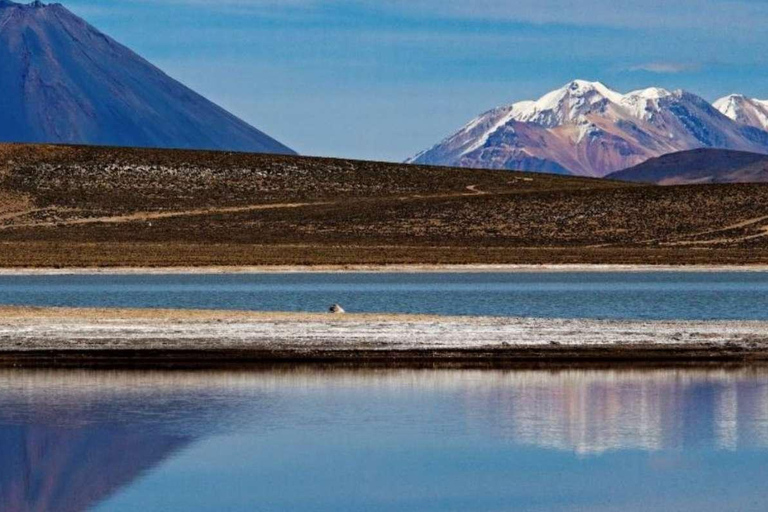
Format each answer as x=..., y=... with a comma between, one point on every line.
x=585, y=128
x=63, y=81
x=699, y=166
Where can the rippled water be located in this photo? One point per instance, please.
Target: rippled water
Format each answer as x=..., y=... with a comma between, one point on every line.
x=385, y=440
x=625, y=295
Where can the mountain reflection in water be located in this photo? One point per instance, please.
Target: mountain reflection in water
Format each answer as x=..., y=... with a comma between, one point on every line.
x=73, y=439
x=594, y=412
x=70, y=439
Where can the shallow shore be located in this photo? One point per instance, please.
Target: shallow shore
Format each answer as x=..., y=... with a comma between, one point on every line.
x=416, y=268
x=187, y=338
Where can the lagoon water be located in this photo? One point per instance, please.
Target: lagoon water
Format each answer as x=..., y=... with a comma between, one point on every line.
x=312, y=439
x=384, y=440
x=620, y=295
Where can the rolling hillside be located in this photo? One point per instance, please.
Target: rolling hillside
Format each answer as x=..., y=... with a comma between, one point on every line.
x=699, y=166
x=86, y=206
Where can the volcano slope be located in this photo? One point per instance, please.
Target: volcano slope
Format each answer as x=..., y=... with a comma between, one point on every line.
x=64, y=206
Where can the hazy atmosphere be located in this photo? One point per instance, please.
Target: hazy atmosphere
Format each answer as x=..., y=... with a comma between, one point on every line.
x=386, y=79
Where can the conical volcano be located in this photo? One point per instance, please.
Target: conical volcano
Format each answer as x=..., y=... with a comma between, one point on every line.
x=63, y=81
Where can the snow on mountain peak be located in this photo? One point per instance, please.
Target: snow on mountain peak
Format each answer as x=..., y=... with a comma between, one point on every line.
x=749, y=111
x=729, y=105
x=583, y=87
x=580, y=98
x=567, y=104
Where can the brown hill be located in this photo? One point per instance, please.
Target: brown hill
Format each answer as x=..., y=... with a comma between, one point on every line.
x=75, y=206
x=699, y=166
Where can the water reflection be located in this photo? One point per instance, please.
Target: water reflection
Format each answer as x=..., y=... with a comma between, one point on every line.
x=594, y=412
x=46, y=468
x=70, y=440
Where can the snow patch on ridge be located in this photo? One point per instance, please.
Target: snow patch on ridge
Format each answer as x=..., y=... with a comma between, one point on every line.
x=644, y=103
x=515, y=110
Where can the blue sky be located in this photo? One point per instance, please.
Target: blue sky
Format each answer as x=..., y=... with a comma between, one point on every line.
x=384, y=79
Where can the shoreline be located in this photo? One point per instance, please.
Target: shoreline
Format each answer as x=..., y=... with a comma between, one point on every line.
x=122, y=338
x=547, y=359
x=367, y=268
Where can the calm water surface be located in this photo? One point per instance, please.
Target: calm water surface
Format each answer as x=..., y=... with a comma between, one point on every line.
x=636, y=295
x=386, y=440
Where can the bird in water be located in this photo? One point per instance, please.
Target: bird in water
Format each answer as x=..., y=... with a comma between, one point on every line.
x=336, y=309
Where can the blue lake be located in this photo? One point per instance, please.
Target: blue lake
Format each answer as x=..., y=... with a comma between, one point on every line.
x=309, y=439
x=384, y=440
x=635, y=295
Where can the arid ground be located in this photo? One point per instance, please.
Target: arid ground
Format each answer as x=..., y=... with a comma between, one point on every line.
x=84, y=207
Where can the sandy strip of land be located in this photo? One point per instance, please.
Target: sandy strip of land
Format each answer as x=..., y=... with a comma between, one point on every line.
x=471, y=268
x=253, y=336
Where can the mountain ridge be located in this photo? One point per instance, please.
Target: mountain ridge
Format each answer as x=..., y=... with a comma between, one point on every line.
x=585, y=128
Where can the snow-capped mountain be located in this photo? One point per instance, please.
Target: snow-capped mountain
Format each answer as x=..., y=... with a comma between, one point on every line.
x=585, y=128
x=744, y=110
x=63, y=81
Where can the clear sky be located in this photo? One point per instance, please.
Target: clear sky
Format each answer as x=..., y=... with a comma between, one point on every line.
x=384, y=79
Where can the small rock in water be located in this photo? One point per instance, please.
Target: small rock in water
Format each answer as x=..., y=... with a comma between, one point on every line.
x=337, y=309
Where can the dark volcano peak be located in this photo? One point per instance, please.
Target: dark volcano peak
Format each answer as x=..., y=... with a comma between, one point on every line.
x=63, y=81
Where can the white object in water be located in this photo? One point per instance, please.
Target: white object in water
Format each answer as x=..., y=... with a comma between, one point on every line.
x=337, y=309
